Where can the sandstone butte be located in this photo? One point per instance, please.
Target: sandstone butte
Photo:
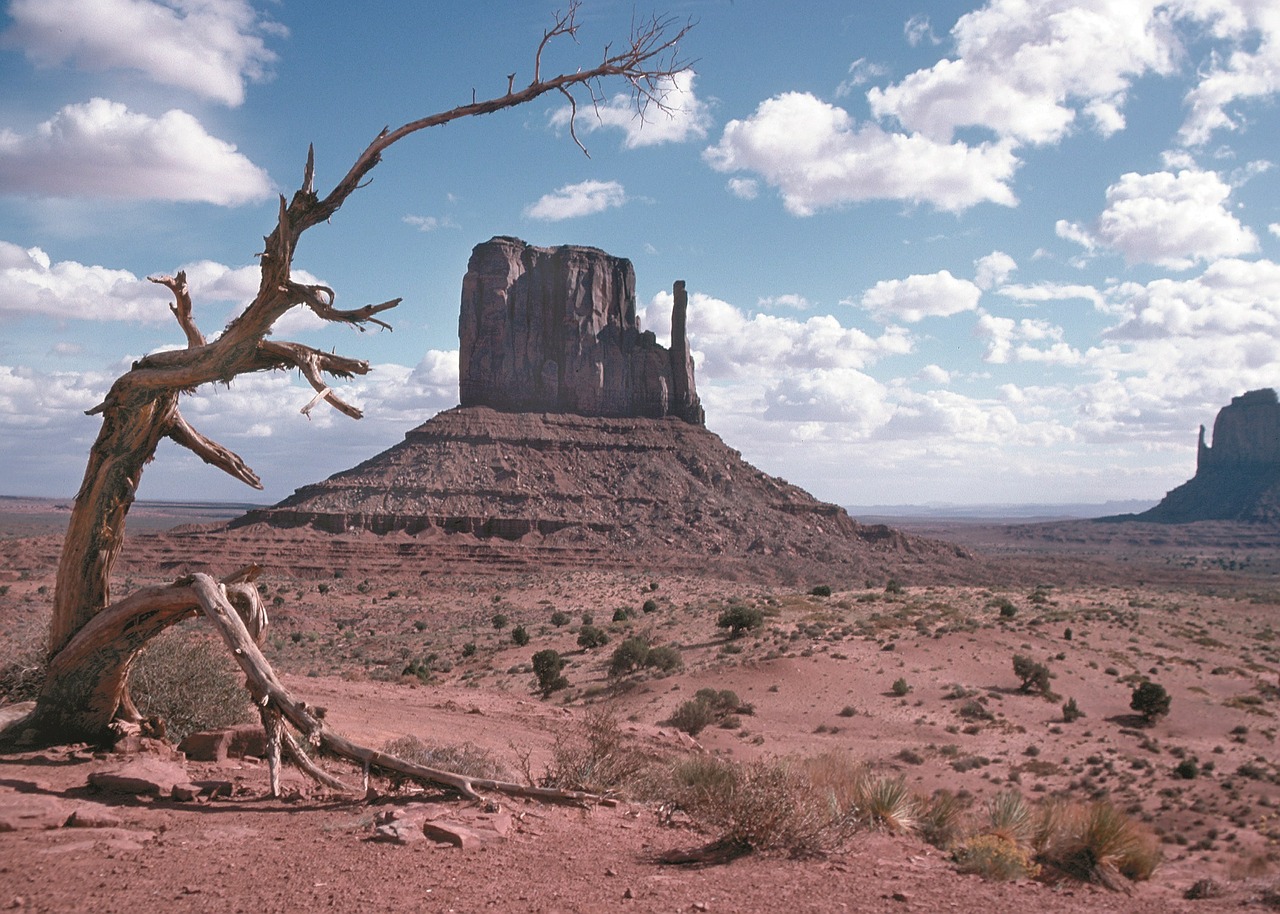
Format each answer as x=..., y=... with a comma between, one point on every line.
x=578, y=429
x=1238, y=477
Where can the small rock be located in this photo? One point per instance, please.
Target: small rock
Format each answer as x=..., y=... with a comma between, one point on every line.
x=627, y=893
x=140, y=777
x=902, y=897
x=397, y=831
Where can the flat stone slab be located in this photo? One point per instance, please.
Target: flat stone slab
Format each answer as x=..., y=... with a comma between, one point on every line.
x=141, y=777
x=23, y=811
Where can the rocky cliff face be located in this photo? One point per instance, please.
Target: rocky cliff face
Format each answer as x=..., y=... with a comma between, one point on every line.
x=555, y=330
x=1238, y=477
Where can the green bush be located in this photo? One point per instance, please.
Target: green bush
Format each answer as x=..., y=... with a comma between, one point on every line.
x=629, y=656
x=664, y=658
x=520, y=635
x=693, y=716
x=589, y=636
x=1034, y=676
x=900, y=687
x=469, y=649
x=1150, y=700
x=594, y=756
x=547, y=665
x=739, y=619
x=649, y=606
x=1188, y=769
x=1071, y=711
x=190, y=682
x=822, y=590
x=560, y=618
x=499, y=620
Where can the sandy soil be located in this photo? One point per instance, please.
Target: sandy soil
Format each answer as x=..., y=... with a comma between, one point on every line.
x=818, y=676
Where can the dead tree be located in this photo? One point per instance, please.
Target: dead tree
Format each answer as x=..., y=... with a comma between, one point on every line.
x=92, y=640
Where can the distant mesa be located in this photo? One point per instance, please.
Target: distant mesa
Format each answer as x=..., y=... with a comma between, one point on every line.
x=578, y=431
x=1238, y=477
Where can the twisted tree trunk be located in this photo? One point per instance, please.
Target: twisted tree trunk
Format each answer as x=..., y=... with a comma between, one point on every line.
x=93, y=641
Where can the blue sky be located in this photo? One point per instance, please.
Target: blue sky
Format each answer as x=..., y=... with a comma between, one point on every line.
x=1000, y=252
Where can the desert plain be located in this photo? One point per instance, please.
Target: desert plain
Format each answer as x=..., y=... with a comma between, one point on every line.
x=905, y=667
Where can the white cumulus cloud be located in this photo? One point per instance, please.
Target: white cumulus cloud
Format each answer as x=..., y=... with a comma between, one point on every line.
x=993, y=270
x=919, y=296
x=1024, y=71
x=102, y=149
x=571, y=201
x=1172, y=220
x=208, y=47
x=819, y=158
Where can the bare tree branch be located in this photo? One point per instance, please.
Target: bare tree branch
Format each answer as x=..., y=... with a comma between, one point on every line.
x=211, y=452
x=181, y=307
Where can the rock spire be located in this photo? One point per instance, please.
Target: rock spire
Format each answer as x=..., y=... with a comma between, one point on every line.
x=555, y=330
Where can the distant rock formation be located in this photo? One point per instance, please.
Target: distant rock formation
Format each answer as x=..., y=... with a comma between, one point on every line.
x=555, y=330
x=582, y=439
x=1238, y=477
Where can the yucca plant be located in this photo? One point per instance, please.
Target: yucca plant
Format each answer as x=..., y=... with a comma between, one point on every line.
x=888, y=803
x=1009, y=816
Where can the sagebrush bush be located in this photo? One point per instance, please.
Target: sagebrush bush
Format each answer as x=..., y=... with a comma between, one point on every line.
x=739, y=619
x=803, y=806
x=547, y=665
x=595, y=756
x=995, y=857
x=189, y=681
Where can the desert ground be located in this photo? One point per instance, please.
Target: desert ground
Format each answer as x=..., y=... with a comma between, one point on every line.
x=908, y=675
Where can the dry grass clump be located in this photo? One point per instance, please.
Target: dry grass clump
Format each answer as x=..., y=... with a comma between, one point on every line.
x=1099, y=843
x=595, y=756
x=802, y=806
x=190, y=682
x=466, y=758
x=1094, y=842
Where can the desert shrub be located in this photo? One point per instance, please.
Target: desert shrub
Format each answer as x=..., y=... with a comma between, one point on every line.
x=822, y=590
x=587, y=618
x=499, y=620
x=900, y=687
x=520, y=635
x=739, y=619
x=628, y=656
x=1188, y=769
x=649, y=606
x=1098, y=843
x=590, y=637
x=802, y=806
x=894, y=587
x=995, y=857
x=1006, y=607
x=594, y=755
x=1039, y=596
x=664, y=658
x=547, y=665
x=22, y=674
x=423, y=668
x=465, y=758
x=973, y=709
x=469, y=649
x=560, y=618
x=1034, y=676
x=723, y=701
x=693, y=716
x=621, y=614
x=1150, y=700
x=1071, y=711
x=189, y=682
x=940, y=819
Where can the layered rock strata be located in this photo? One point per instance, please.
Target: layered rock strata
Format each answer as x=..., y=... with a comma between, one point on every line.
x=623, y=485
x=555, y=330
